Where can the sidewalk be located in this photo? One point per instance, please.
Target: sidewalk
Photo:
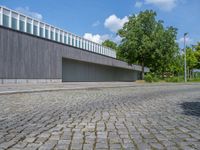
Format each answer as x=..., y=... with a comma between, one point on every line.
x=44, y=87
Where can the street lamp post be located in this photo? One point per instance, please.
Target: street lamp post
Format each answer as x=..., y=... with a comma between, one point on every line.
x=185, y=63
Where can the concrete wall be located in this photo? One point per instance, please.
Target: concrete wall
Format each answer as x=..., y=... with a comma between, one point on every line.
x=74, y=70
x=24, y=56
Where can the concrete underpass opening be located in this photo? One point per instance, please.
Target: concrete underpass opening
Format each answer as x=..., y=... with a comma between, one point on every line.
x=79, y=71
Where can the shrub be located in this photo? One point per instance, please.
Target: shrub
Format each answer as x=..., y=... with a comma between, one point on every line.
x=156, y=79
x=194, y=80
x=174, y=79
x=148, y=78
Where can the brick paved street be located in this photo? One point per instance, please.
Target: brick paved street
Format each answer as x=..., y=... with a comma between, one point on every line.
x=141, y=117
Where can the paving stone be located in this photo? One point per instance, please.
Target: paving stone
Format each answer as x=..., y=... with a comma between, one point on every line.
x=140, y=117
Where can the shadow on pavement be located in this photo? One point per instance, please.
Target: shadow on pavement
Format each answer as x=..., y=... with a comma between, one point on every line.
x=191, y=108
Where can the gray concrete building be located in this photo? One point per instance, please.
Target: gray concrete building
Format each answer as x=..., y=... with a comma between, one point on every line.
x=33, y=51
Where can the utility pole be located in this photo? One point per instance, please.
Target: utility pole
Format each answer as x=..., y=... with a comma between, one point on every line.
x=185, y=62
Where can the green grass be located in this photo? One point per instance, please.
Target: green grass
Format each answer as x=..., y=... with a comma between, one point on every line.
x=153, y=78
x=194, y=80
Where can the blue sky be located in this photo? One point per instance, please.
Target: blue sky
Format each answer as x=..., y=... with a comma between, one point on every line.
x=98, y=20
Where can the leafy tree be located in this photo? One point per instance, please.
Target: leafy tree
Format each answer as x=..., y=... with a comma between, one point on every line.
x=109, y=43
x=137, y=38
x=191, y=59
x=177, y=66
x=146, y=41
x=197, y=55
x=166, y=50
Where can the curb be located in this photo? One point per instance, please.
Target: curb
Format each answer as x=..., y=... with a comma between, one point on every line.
x=88, y=88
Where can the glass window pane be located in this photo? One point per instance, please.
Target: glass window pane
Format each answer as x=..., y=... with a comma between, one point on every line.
x=65, y=39
x=5, y=20
x=72, y=41
x=61, y=38
x=69, y=39
x=46, y=33
x=76, y=43
x=22, y=26
x=41, y=32
x=14, y=23
x=56, y=36
x=52, y=36
x=35, y=28
x=28, y=28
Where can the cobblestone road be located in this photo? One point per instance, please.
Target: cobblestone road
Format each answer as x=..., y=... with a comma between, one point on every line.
x=145, y=117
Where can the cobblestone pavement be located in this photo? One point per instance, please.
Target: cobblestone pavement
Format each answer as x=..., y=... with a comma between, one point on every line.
x=145, y=117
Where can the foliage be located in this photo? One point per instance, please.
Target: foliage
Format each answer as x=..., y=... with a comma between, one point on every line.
x=174, y=79
x=137, y=39
x=191, y=58
x=110, y=44
x=150, y=77
x=194, y=80
x=114, y=46
x=147, y=42
x=197, y=55
x=166, y=51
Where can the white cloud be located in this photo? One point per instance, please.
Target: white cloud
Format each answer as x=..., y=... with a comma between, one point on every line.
x=113, y=23
x=138, y=4
x=95, y=24
x=166, y=5
x=188, y=40
x=101, y=38
x=96, y=37
x=26, y=10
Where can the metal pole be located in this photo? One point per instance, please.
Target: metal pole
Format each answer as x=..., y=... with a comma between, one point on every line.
x=185, y=63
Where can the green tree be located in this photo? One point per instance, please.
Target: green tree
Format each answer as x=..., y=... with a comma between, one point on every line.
x=176, y=66
x=197, y=55
x=147, y=42
x=191, y=59
x=137, y=38
x=166, y=51
x=111, y=44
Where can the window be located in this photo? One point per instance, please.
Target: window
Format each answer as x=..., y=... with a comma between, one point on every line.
x=35, y=30
x=56, y=36
x=5, y=20
x=41, y=32
x=46, y=33
x=52, y=35
x=22, y=26
x=76, y=43
x=28, y=28
x=72, y=41
x=85, y=45
x=65, y=39
x=61, y=39
x=79, y=43
x=14, y=23
x=69, y=39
